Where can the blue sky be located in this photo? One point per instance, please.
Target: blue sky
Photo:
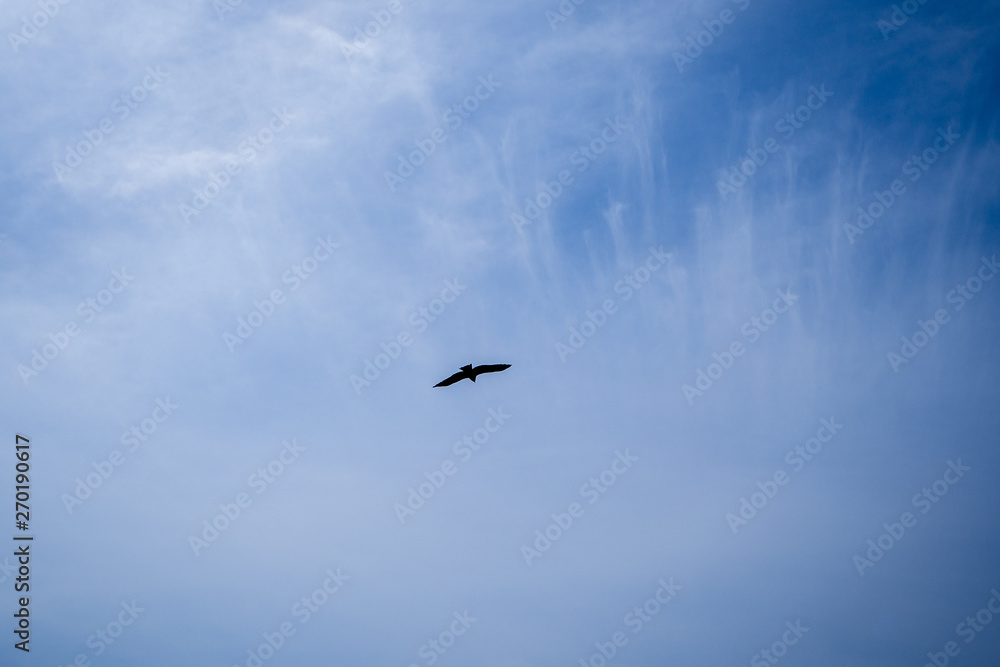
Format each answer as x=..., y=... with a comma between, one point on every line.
x=217, y=302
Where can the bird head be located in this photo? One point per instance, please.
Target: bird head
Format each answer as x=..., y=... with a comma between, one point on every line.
x=466, y=368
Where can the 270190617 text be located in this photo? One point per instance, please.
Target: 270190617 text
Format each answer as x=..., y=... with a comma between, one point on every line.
x=22, y=543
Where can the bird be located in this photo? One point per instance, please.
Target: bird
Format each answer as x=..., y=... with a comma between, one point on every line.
x=468, y=372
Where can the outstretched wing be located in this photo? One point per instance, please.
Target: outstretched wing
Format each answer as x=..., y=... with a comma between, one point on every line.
x=452, y=380
x=490, y=368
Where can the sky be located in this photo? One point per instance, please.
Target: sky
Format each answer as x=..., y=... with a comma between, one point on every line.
x=740, y=257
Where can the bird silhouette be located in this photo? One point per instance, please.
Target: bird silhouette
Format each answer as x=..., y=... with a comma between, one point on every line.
x=470, y=373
